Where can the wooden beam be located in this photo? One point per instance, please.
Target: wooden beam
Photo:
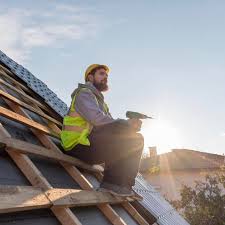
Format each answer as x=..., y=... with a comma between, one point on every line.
x=106, y=209
x=16, y=145
x=23, y=120
x=19, y=102
x=65, y=216
x=51, y=112
x=27, y=97
x=9, y=76
x=127, y=206
x=134, y=213
x=22, y=198
x=6, y=70
x=19, y=198
x=76, y=198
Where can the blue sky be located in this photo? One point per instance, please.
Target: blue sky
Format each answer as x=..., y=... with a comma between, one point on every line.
x=167, y=59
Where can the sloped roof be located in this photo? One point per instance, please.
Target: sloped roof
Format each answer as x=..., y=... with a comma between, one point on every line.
x=35, y=84
x=184, y=159
x=153, y=205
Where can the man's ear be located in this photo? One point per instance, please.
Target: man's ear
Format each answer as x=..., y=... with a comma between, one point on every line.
x=90, y=78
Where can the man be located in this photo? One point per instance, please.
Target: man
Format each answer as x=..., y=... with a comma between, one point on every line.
x=92, y=135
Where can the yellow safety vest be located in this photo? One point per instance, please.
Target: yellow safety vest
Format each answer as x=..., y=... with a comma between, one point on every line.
x=75, y=128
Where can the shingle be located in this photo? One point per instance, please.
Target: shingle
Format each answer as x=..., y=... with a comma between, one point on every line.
x=35, y=84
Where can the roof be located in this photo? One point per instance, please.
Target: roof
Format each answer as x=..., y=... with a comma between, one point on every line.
x=35, y=84
x=183, y=159
x=154, y=208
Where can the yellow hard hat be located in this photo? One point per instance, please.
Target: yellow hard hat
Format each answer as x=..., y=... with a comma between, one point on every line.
x=93, y=66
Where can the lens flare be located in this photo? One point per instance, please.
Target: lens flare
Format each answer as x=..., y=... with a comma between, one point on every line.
x=162, y=134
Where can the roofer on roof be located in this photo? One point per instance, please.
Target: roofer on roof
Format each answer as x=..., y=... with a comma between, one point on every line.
x=91, y=134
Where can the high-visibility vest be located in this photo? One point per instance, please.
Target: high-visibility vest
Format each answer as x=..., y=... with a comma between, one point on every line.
x=75, y=128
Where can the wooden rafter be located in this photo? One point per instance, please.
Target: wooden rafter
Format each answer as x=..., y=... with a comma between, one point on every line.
x=29, y=98
x=27, y=106
x=12, y=79
x=15, y=199
x=29, y=122
x=16, y=145
x=9, y=76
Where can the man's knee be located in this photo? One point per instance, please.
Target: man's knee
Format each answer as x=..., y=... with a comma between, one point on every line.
x=138, y=142
x=140, y=137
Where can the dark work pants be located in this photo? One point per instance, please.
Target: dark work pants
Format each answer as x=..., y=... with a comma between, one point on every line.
x=118, y=147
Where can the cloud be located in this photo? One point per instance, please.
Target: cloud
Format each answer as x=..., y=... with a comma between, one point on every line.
x=69, y=8
x=10, y=29
x=22, y=30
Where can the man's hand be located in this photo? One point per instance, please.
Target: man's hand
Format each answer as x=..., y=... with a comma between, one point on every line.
x=135, y=124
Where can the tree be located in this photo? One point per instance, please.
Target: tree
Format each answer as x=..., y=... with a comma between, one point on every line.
x=205, y=203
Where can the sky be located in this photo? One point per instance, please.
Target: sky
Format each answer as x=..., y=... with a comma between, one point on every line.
x=167, y=60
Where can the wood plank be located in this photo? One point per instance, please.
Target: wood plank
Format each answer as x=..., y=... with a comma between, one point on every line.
x=23, y=120
x=6, y=70
x=22, y=198
x=27, y=97
x=77, y=198
x=51, y=112
x=18, y=198
x=19, y=102
x=134, y=213
x=127, y=206
x=9, y=76
x=16, y=145
x=65, y=216
x=106, y=209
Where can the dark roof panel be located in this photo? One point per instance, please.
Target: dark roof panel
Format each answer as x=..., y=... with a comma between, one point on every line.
x=36, y=217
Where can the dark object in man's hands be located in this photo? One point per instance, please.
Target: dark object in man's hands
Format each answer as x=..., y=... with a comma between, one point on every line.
x=137, y=115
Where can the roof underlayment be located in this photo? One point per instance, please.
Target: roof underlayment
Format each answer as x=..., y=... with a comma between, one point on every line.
x=153, y=203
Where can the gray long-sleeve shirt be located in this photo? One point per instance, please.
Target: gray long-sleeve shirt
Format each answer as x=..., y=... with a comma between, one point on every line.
x=87, y=106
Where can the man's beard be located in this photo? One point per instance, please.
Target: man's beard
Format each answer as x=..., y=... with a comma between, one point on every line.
x=102, y=86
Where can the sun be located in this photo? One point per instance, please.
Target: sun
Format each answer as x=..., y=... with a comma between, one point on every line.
x=162, y=134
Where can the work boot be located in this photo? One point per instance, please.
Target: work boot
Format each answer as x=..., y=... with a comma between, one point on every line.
x=115, y=189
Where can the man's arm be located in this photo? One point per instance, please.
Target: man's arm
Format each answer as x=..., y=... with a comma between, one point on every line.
x=88, y=108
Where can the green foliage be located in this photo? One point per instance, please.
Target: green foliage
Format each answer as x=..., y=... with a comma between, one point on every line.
x=154, y=170
x=205, y=203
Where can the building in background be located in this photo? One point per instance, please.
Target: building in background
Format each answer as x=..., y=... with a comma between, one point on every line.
x=167, y=172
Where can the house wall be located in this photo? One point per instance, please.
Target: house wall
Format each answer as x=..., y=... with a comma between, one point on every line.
x=170, y=183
